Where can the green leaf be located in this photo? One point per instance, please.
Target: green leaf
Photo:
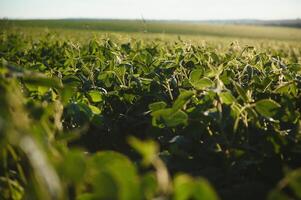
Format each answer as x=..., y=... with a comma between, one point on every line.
x=95, y=96
x=241, y=92
x=73, y=166
x=42, y=81
x=148, y=149
x=182, y=99
x=287, y=88
x=183, y=187
x=107, y=187
x=186, y=188
x=227, y=97
x=149, y=185
x=177, y=118
x=267, y=107
x=71, y=80
x=66, y=94
x=157, y=106
x=196, y=75
x=202, y=84
x=169, y=117
x=42, y=90
x=284, y=88
x=115, y=177
x=95, y=110
x=80, y=113
x=203, y=190
x=197, y=81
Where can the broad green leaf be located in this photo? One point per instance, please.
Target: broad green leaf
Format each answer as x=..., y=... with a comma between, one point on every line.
x=183, y=187
x=42, y=81
x=73, y=166
x=115, y=177
x=227, y=97
x=203, y=190
x=95, y=110
x=71, y=80
x=287, y=88
x=170, y=117
x=79, y=113
x=107, y=187
x=31, y=87
x=202, y=84
x=42, y=90
x=195, y=75
x=284, y=88
x=148, y=149
x=149, y=185
x=267, y=107
x=182, y=99
x=95, y=96
x=177, y=118
x=186, y=188
x=66, y=94
x=107, y=77
x=157, y=106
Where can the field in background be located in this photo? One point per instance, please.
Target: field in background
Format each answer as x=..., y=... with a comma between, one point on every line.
x=161, y=29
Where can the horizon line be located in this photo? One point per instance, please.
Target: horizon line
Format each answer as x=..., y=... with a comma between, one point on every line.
x=148, y=19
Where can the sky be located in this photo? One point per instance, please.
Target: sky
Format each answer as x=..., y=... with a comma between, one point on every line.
x=152, y=9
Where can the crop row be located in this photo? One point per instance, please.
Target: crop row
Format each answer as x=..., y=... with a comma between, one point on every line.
x=146, y=120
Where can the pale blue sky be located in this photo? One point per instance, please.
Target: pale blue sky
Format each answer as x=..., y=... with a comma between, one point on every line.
x=152, y=9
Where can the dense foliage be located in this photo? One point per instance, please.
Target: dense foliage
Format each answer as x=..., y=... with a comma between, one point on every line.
x=148, y=120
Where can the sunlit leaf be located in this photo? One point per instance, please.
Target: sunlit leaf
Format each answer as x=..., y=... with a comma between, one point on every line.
x=227, y=97
x=203, y=83
x=95, y=96
x=182, y=99
x=148, y=149
x=116, y=177
x=157, y=106
x=267, y=107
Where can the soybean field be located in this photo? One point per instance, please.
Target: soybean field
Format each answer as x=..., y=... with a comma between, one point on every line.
x=105, y=110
